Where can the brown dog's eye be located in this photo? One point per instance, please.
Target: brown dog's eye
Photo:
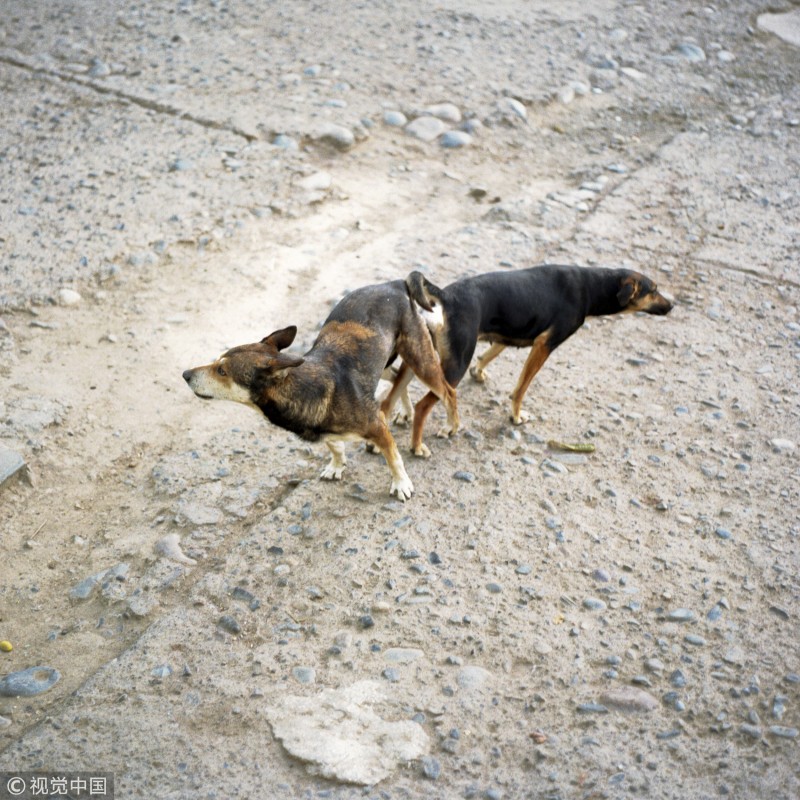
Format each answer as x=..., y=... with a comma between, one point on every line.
x=221, y=371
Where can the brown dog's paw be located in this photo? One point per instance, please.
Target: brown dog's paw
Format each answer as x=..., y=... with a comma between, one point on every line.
x=402, y=488
x=421, y=451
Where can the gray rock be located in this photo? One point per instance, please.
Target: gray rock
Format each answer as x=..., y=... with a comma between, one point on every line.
x=605, y=79
x=304, y=674
x=425, y=128
x=447, y=112
x=85, y=588
x=753, y=731
x=592, y=708
x=395, y=119
x=462, y=475
x=99, y=69
x=511, y=108
x=455, y=139
x=29, y=682
x=161, y=671
x=690, y=52
x=11, y=464
x=681, y=615
x=285, y=142
x=782, y=732
x=629, y=700
x=693, y=639
x=181, y=165
x=472, y=677
x=391, y=674
x=336, y=136
x=594, y=604
x=403, y=655
x=431, y=768
x=229, y=624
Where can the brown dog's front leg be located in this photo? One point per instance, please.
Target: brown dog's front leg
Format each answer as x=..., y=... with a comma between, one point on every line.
x=381, y=437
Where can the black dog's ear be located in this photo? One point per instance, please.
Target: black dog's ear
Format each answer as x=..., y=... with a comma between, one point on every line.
x=281, y=339
x=626, y=292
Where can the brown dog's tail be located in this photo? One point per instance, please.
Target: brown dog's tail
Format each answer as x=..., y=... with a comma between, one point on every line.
x=422, y=290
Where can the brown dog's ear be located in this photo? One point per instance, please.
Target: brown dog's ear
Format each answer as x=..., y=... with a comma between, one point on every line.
x=626, y=292
x=280, y=361
x=282, y=338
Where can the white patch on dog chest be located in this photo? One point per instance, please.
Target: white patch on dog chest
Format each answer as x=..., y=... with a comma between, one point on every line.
x=433, y=319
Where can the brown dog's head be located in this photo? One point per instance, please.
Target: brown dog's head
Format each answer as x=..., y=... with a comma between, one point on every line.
x=240, y=370
x=638, y=293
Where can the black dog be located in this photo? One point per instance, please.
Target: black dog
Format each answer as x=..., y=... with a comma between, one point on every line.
x=539, y=307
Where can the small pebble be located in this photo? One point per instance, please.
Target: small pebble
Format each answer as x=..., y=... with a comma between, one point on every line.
x=29, y=682
x=697, y=641
x=750, y=730
x=690, y=52
x=161, y=671
x=592, y=708
x=431, y=768
x=304, y=674
x=425, y=128
x=783, y=733
x=629, y=700
x=681, y=615
x=395, y=119
x=447, y=112
x=461, y=475
x=594, y=604
x=455, y=139
x=68, y=297
x=230, y=624
x=285, y=142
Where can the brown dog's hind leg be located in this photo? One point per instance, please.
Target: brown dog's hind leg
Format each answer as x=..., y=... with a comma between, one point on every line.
x=421, y=411
x=478, y=371
x=379, y=435
x=424, y=360
x=537, y=356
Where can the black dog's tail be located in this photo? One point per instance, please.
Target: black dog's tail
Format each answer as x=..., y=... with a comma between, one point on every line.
x=422, y=290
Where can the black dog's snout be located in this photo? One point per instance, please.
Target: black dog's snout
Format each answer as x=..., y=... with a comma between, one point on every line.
x=187, y=375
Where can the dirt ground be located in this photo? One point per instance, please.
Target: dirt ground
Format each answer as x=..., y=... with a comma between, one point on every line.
x=182, y=177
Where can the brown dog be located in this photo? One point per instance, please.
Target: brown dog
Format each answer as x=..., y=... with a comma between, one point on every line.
x=329, y=393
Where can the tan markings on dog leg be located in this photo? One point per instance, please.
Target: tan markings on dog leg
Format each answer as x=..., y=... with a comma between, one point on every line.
x=537, y=356
x=399, y=389
x=421, y=356
x=421, y=411
x=478, y=372
x=333, y=470
x=379, y=435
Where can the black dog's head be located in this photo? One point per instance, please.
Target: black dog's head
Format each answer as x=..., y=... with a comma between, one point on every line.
x=638, y=293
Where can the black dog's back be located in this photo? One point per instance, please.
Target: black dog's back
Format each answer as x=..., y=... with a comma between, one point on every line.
x=539, y=307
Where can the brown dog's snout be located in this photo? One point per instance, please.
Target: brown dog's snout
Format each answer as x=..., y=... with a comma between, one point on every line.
x=187, y=375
